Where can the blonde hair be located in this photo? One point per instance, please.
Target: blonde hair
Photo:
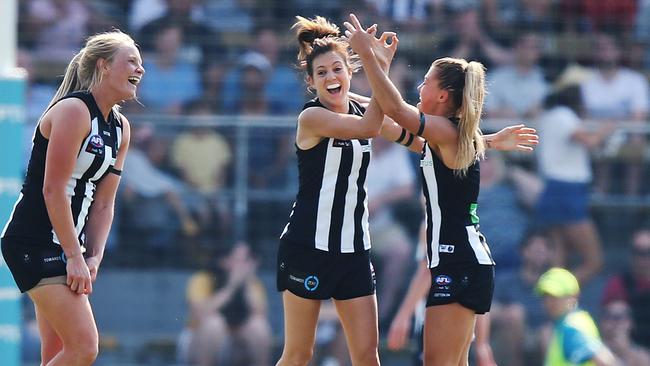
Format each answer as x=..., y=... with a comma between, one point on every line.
x=82, y=73
x=318, y=36
x=465, y=81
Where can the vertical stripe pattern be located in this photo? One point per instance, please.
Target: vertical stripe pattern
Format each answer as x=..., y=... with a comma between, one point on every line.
x=331, y=208
x=97, y=153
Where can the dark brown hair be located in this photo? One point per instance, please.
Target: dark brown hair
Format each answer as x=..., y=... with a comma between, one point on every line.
x=318, y=36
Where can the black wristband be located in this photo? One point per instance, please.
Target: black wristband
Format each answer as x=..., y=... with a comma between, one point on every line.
x=421, y=129
x=112, y=169
x=401, y=137
x=410, y=140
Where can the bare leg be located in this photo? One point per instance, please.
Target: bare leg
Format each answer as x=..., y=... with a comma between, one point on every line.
x=256, y=334
x=51, y=344
x=359, y=319
x=300, y=319
x=396, y=259
x=584, y=238
x=510, y=322
x=208, y=339
x=448, y=330
x=76, y=329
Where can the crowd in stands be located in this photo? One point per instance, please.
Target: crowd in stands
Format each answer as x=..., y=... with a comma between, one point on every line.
x=216, y=112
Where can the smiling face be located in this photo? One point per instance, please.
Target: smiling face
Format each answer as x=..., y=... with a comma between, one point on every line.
x=124, y=72
x=331, y=79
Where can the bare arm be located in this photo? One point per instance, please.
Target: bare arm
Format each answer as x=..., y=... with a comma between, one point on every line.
x=66, y=126
x=516, y=137
x=604, y=357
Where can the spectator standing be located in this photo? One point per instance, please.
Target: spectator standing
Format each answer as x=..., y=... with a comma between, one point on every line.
x=616, y=94
x=564, y=164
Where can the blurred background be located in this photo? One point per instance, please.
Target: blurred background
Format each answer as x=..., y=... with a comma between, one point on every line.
x=211, y=173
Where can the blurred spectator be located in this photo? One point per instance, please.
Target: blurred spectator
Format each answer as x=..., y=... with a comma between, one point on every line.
x=609, y=16
x=228, y=322
x=617, y=94
x=642, y=30
x=200, y=43
x=212, y=79
x=391, y=182
x=564, y=164
x=172, y=80
x=201, y=156
x=507, y=193
x=230, y=16
x=575, y=339
x=467, y=39
x=410, y=14
x=538, y=15
x=37, y=97
x=500, y=15
x=517, y=314
x=282, y=90
x=615, y=325
x=270, y=147
x=151, y=204
x=524, y=101
x=55, y=29
x=633, y=286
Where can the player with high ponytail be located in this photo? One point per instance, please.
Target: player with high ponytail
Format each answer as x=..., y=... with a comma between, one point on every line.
x=446, y=123
x=324, y=248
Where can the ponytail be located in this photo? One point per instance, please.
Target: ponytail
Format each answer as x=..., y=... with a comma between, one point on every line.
x=82, y=73
x=70, y=81
x=470, y=139
x=465, y=83
x=318, y=36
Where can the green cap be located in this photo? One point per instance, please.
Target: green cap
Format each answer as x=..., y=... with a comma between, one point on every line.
x=557, y=282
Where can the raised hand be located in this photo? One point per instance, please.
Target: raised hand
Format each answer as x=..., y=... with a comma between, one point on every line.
x=514, y=138
x=365, y=44
x=358, y=37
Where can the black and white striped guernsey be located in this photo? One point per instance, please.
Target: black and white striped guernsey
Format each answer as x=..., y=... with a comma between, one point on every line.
x=98, y=151
x=331, y=208
x=451, y=212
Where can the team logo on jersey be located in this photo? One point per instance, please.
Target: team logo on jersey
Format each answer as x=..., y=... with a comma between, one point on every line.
x=443, y=280
x=95, y=145
x=311, y=283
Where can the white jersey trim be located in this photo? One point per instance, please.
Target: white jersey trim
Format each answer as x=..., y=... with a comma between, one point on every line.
x=436, y=214
x=326, y=196
x=481, y=250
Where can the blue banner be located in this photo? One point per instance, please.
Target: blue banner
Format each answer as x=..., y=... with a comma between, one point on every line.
x=12, y=116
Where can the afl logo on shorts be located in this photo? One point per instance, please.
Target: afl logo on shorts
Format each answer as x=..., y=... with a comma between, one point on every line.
x=311, y=283
x=442, y=280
